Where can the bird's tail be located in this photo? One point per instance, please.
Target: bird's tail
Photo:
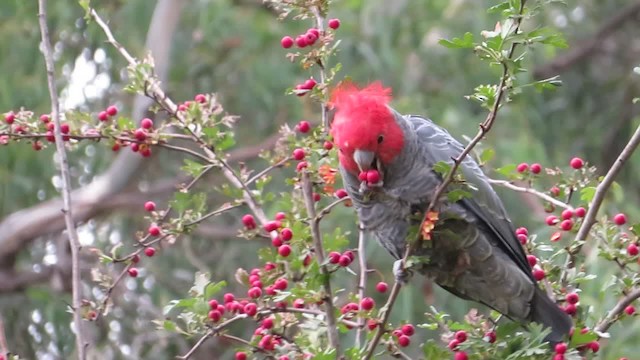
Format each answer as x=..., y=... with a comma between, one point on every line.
x=546, y=312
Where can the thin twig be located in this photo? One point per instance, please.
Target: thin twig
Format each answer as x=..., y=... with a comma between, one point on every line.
x=4, y=348
x=267, y=170
x=532, y=191
x=197, y=345
x=332, y=330
x=323, y=75
x=617, y=310
x=362, y=283
x=213, y=213
x=186, y=151
x=598, y=198
x=329, y=207
x=484, y=128
x=74, y=243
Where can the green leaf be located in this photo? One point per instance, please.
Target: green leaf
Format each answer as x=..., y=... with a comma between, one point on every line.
x=498, y=8
x=586, y=194
x=506, y=170
x=458, y=43
x=192, y=168
x=226, y=142
x=442, y=167
x=548, y=36
x=456, y=195
x=177, y=304
x=580, y=339
x=212, y=289
x=487, y=155
x=431, y=350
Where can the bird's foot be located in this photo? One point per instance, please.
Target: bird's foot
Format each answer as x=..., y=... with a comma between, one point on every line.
x=401, y=274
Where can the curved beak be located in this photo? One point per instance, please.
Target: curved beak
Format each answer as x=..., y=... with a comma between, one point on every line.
x=364, y=159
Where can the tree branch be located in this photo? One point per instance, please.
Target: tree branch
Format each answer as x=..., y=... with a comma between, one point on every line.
x=332, y=330
x=532, y=191
x=613, y=315
x=362, y=283
x=590, y=46
x=74, y=243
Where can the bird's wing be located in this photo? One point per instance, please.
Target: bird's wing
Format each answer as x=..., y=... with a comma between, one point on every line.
x=484, y=203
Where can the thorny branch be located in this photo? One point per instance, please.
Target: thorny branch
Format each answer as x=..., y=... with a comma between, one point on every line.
x=74, y=243
x=484, y=128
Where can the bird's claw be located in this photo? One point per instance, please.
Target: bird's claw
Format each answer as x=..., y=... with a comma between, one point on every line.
x=401, y=274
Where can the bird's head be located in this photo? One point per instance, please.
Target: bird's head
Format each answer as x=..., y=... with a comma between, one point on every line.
x=364, y=127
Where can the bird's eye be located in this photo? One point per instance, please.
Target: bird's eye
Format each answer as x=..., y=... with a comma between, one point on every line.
x=380, y=139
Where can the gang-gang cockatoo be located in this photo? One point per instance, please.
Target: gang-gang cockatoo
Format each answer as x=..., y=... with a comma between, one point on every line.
x=473, y=251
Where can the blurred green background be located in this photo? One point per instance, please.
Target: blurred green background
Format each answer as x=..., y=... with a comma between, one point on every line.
x=232, y=48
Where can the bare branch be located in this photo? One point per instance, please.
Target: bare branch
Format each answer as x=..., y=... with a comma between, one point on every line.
x=532, y=191
x=362, y=283
x=307, y=189
x=74, y=243
x=617, y=310
x=4, y=348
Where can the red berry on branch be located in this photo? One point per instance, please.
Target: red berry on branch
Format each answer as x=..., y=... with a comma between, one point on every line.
x=571, y=309
x=112, y=110
x=362, y=176
x=344, y=261
x=249, y=221
x=309, y=84
x=382, y=287
x=200, y=98
x=408, y=329
x=9, y=117
x=328, y=145
x=133, y=272
x=567, y=214
x=620, y=219
x=522, y=238
x=536, y=168
x=272, y=225
x=630, y=310
x=334, y=257
x=250, y=309
x=490, y=337
x=632, y=250
x=373, y=176
x=460, y=355
x=254, y=292
x=37, y=146
x=522, y=167
x=298, y=154
x=314, y=31
x=154, y=230
x=372, y=324
x=566, y=225
x=551, y=220
x=532, y=260
x=64, y=128
x=303, y=127
x=213, y=304
x=145, y=151
x=241, y=355
x=453, y=344
x=350, y=254
x=561, y=348
x=149, y=206
x=581, y=212
x=316, y=197
x=284, y=250
x=286, y=234
x=367, y=303
x=334, y=23
x=301, y=165
x=461, y=336
x=341, y=193
x=522, y=230
x=267, y=323
x=281, y=284
x=146, y=123
x=594, y=346
x=215, y=315
x=573, y=298
x=576, y=163
x=538, y=274
x=140, y=134
x=301, y=41
x=269, y=266
x=135, y=259
x=228, y=297
x=298, y=303
x=51, y=126
x=404, y=341
x=103, y=116
x=555, y=191
x=286, y=42
x=150, y=251
x=558, y=357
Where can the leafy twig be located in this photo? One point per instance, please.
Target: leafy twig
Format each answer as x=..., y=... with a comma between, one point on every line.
x=614, y=313
x=74, y=243
x=319, y=251
x=484, y=128
x=267, y=170
x=532, y=191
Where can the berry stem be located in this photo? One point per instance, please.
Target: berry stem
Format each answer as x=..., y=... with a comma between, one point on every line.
x=74, y=243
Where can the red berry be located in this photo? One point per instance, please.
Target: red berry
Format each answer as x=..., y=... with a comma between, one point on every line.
x=620, y=219
x=228, y=297
x=215, y=315
x=581, y=212
x=37, y=146
x=576, y=163
x=9, y=117
x=314, y=31
x=213, y=304
x=522, y=238
x=341, y=193
x=154, y=230
x=280, y=216
x=397, y=333
x=133, y=272
x=328, y=145
x=276, y=241
x=566, y=225
x=334, y=23
x=573, y=298
x=135, y=258
x=453, y=344
x=372, y=324
x=594, y=346
x=200, y=98
x=251, y=309
x=146, y=123
x=373, y=176
x=558, y=357
x=522, y=230
x=281, y=284
x=561, y=348
x=344, y=261
x=286, y=234
x=382, y=287
x=301, y=165
x=632, y=250
x=150, y=251
x=241, y=355
x=309, y=84
x=367, y=303
x=272, y=226
x=267, y=323
x=64, y=128
x=630, y=310
x=311, y=38
x=567, y=214
x=254, y=292
x=461, y=336
x=536, y=168
x=249, y=221
x=298, y=303
x=551, y=220
x=532, y=260
x=307, y=260
x=103, y=116
x=490, y=337
x=135, y=147
x=556, y=236
x=362, y=176
x=286, y=42
x=408, y=329
x=522, y=167
x=555, y=191
x=298, y=154
x=316, y=197
x=284, y=250
x=140, y=134
x=304, y=127
x=45, y=118
x=269, y=266
x=538, y=274
x=350, y=254
x=334, y=257
x=112, y=110
x=149, y=206
x=145, y=151
x=571, y=309
x=460, y=355
x=301, y=41
x=404, y=340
